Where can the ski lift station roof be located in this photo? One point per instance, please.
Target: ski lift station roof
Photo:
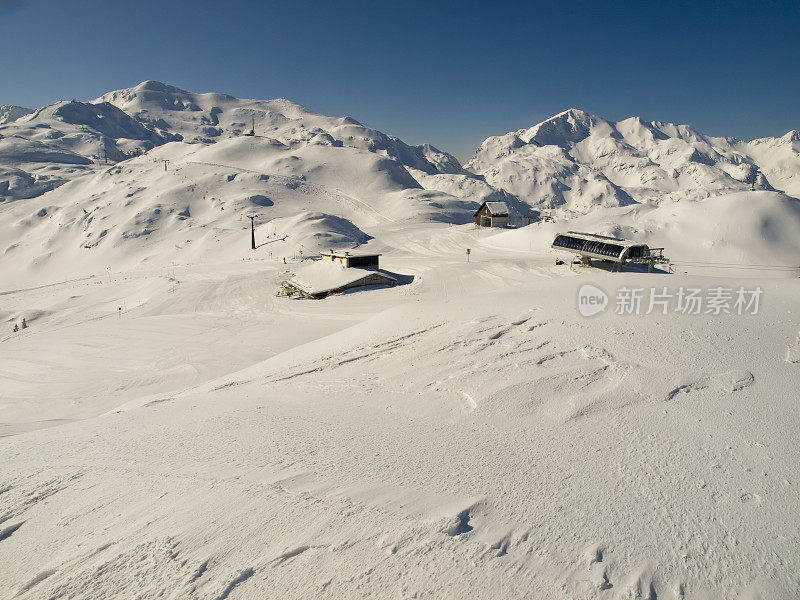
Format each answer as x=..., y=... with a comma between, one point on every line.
x=323, y=277
x=602, y=247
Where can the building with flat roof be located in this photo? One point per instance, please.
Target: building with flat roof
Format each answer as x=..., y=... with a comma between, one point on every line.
x=348, y=260
x=324, y=277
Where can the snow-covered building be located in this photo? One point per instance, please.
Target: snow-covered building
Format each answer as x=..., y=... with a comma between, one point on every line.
x=602, y=247
x=492, y=214
x=325, y=277
x=347, y=260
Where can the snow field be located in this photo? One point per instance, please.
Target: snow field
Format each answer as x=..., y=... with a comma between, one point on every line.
x=477, y=438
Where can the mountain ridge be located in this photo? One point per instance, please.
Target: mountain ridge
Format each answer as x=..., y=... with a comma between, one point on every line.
x=574, y=161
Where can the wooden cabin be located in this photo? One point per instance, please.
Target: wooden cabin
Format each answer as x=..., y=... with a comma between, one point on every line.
x=347, y=260
x=492, y=214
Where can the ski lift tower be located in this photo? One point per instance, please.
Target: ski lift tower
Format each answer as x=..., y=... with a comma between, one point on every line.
x=252, y=132
x=252, y=231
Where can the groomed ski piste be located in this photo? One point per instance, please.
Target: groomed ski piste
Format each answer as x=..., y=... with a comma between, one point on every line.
x=173, y=428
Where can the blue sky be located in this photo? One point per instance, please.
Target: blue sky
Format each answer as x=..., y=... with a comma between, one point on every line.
x=451, y=73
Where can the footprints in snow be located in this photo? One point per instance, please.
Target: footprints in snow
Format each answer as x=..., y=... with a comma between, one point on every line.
x=519, y=326
x=584, y=352
x=685, y=389
x=730, y=381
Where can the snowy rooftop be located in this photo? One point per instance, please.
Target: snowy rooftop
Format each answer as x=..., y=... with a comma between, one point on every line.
x=601, y=238
x=497, y=208
x=324, y=276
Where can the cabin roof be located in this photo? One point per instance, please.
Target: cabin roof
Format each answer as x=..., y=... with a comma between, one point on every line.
x=325, y=276
x=496, y=208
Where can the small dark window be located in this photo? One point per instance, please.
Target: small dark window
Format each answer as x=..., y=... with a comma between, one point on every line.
x=364, y=262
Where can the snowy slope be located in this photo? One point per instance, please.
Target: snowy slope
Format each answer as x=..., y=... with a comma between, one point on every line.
x=745, y=230
x=137, y=213
x=577, y=161
x=314, y=232
x=60, y=142
x=169, y=203
x=467, y=436
x=778, y=158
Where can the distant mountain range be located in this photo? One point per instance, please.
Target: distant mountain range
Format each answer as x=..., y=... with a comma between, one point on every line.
x=572, y=162
x=577, y=161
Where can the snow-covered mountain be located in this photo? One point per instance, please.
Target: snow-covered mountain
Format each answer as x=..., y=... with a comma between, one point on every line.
x=58, y=143
x=186, y=175
x=207, y=118
x=42, y=149
x=11, y=112
x=778, y=158
x=46, y=148
x=154, y=162
x=578, y=161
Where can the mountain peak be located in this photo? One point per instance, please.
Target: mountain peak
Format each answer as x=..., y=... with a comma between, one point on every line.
x=575, y=113
x=569, y=126
x=789, y=136
x=156, y=86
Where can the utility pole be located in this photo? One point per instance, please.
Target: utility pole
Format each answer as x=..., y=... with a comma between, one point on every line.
x=753, y=182
x=105, y=155
x=252, y=231
x=165, y=164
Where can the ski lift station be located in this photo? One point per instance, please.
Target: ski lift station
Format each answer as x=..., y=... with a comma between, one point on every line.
x=492, y=214
x=336, y=272
x=602, y=247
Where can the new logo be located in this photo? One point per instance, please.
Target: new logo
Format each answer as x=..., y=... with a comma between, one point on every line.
x=591, y=300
